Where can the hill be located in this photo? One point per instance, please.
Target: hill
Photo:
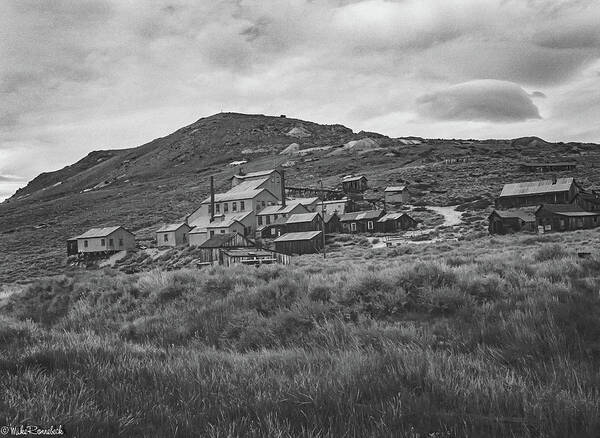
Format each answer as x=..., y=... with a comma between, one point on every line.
x=165, y=179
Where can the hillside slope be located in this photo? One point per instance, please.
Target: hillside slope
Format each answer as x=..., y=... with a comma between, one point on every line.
x=167, y=178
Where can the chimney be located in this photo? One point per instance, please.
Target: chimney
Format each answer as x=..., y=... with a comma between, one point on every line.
x=282, y=189
x=212, y=198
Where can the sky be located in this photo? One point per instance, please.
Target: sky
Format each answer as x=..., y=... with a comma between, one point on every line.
x=83, y=75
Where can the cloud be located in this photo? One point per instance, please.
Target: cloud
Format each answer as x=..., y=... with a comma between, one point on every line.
x=486, y=100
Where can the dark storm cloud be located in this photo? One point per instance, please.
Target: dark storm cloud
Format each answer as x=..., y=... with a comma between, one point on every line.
x=487, y=100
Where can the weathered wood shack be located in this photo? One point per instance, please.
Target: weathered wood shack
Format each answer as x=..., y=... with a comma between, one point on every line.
x=72, y=247
x=392, y=222
x=108, y=239
x=303, y=222
x=332, y=223
x=395, y=195
x=512, y=221
x=338, y=206
x=210, y=251
x=173, y=234
x=555, y=191
x=360, y=221
x=354, y=184
x=273, y=230
x=588, y=201
x=308, y=242
x=565, y=217
x=272, y=213
x=252, y=256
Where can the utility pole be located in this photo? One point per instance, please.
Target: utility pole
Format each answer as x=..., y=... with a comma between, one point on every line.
x=323, y=218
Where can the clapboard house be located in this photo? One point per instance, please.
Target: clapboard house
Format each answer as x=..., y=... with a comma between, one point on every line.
x=512, y=221
x=210, y=250
x=173, y=234
x=354, y=184
x=303, y=222
x=395, y=195
x=272, y=230
x=360, y=221
x=392, y=222
x=103, y=240
x=523, y=194
x=306, y=242
x=332, y=223
x=272, y=213
x=565, y=217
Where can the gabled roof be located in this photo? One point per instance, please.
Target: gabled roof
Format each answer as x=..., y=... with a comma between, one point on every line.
x=219, y=240
x=361, y=215
x=98, y=232
x=571, y=210
x=537, y=187
x=526, y=215
x=234, y=195
x=251, y=184
x=305, y=235
x=329, y=216
x=171, y=227
x=302, y=217
x=278, y=209
x=353, y=178
x=228, y=220
x=255, y=174
x=395, y=189
x=393, y=217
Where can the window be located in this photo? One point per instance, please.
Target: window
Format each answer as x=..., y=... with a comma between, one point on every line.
x=225, y=207
x=222, y=231
x=85, y=243
x=262, y=203
x=111, y=242
x=274, y=217
x=242, y=205
x=234, y=206
x=353, y=226
x=259, y=219
x=273, y=231
x=370, y=225
x=166, y=237
x=212, y=233
x=102, y=242
x=268, y=219
x=120, y=242
x=217, y=208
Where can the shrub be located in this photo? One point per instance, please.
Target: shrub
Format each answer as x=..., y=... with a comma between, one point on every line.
x=550, y=252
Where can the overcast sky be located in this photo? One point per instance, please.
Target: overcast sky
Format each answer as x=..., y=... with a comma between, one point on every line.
x=82, y=75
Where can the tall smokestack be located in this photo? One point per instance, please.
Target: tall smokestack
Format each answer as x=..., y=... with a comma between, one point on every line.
x=282, y=188
x=212, y=198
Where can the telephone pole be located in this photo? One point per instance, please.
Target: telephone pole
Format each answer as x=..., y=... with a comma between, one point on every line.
x=323, y=218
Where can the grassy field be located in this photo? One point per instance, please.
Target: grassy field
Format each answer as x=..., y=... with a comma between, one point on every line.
x=494, y=337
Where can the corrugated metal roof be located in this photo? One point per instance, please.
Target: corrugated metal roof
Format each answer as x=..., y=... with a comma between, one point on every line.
x=245, y=186
x=278, y=209
x=353, y=178
x=567, y=210
x=305, y=201
x=301, y=217
x=537, y=187
x=305, y=235
x=527, y=215
x=228, y=220
x=391, y=217
x=255, y=174
x=395, y=189
x=361, y=215
x=170, y=227
x=218, y=240
x=97, y=232
x=235, y=195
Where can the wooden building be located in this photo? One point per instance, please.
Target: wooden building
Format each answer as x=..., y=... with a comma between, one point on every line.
x=270, y=214
x=303, y=222
x=512, y=221
x=588, y=201
x=565, y=217
x=395, y=195
x=271, y=180
x=392, y=222
x=556, y=191
x=548, y=167
x=338, y=206
x=108, y=239
x=253, y=257
x=308, y=242
x=360, y=221
x=173, y=234
x=332, y=223
x=72, y=247
x=354, y=184
x=272, y=230
x=210, y=250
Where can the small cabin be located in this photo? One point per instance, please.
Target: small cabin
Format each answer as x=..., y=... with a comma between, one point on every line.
x=588, y=201
x=393, y=222
x=395, y=195
x=308, y=242
x=332, y=223
x=303, y=222
x=554, y=191
x=511, y=221
x=354, y=184
x=360, y=221
x=173, y=234
x=108, y=239
x=564, y=217
x=210, y=250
